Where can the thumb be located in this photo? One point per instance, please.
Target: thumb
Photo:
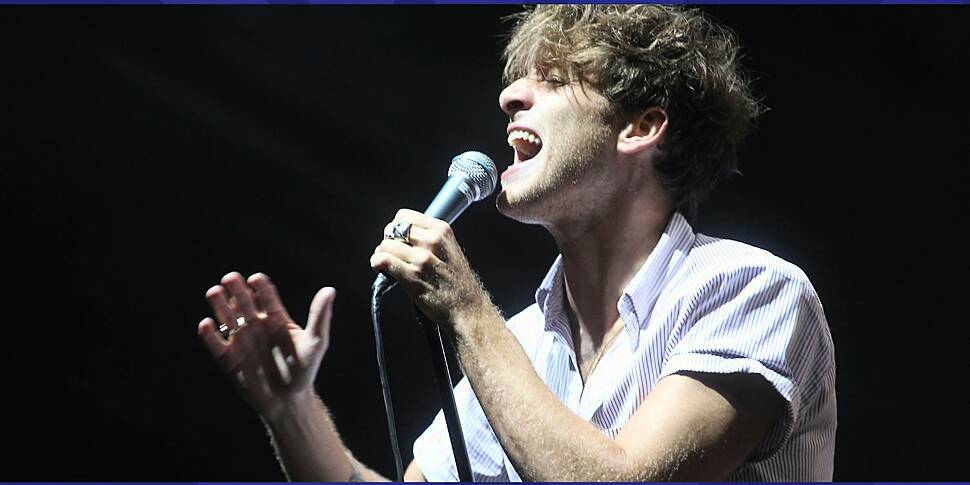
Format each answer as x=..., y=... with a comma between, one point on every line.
x=321, y=309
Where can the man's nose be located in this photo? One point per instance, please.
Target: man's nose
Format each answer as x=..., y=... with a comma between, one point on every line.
x=516, y=97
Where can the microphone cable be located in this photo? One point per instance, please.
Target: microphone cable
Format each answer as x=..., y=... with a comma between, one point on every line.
x=377, y=291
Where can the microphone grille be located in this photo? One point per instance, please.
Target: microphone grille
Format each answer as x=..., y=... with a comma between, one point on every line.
x=478, y=169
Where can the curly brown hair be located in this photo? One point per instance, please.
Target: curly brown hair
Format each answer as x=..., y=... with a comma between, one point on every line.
x=642, y=56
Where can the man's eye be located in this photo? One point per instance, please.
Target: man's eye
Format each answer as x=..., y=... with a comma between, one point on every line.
x=556, y=81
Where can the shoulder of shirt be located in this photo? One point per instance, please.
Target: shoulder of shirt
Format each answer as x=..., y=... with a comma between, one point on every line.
x=716, y=258
x=525, y=318
x=528, y=326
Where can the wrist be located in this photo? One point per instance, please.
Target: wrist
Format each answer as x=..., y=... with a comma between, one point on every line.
x=469, y=320
x=291, y=409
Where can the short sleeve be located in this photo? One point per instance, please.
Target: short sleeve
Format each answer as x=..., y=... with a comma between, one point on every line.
x=760, y=322
x=433, y=453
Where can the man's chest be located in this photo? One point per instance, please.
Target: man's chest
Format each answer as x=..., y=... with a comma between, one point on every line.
x=589, y=350
x=610, y=387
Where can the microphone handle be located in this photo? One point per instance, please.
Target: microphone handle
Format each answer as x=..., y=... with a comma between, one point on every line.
x=453, y=198
x=451, y=201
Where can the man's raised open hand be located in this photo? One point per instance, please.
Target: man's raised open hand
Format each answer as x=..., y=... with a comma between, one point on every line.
x=272, y=359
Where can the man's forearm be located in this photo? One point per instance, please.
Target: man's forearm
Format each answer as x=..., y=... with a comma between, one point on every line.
x=544, y=439
x=308, y=446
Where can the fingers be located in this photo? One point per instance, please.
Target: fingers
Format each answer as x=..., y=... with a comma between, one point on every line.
x=211, y=338
x=418, y=237
x=419, y=220
x=219, y=301
x=426, y=232
x=227, y=313
x=218, y=346
x=416, y=218
x=241, y=293
x=321, y=311
x=283, y=347
x=267, y=297
x=262, y=356
x=399, y=260
x=403, y=251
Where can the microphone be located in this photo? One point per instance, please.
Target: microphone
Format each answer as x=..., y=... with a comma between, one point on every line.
x=471, y=178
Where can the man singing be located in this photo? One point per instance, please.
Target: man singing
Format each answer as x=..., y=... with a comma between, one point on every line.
x=652, y=352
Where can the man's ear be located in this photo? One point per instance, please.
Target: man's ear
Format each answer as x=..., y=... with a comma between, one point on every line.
x=644, y=132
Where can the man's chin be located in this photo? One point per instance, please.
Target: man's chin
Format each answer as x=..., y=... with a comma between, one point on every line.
x=516, y=207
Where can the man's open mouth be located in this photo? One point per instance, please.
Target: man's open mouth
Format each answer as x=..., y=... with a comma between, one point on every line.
x=525, y=143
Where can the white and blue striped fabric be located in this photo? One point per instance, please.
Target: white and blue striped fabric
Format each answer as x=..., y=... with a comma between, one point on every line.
x=698, y=304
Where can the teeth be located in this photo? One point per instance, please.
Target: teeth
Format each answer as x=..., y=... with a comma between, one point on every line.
x=524, y=142
x=524, y=135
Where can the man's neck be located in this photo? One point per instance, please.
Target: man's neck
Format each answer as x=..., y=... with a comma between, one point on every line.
x=600, y=256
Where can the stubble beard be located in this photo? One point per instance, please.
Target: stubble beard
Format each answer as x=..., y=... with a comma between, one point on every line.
x=561, y=188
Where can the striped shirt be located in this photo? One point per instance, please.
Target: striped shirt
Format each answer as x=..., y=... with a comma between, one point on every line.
x=697, y=304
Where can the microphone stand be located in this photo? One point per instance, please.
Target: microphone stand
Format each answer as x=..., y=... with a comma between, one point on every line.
x=442, y=376
x=439, y=362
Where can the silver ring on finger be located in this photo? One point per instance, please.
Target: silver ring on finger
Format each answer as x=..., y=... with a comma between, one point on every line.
x=400, y=231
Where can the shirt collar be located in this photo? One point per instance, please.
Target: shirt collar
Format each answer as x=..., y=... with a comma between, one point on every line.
x=550, y=294
x=641, y=293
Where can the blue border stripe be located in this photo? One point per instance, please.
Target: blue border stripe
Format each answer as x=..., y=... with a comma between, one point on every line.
x=469, y=2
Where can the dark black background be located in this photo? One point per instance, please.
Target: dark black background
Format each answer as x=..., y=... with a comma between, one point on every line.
x=147, y=151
